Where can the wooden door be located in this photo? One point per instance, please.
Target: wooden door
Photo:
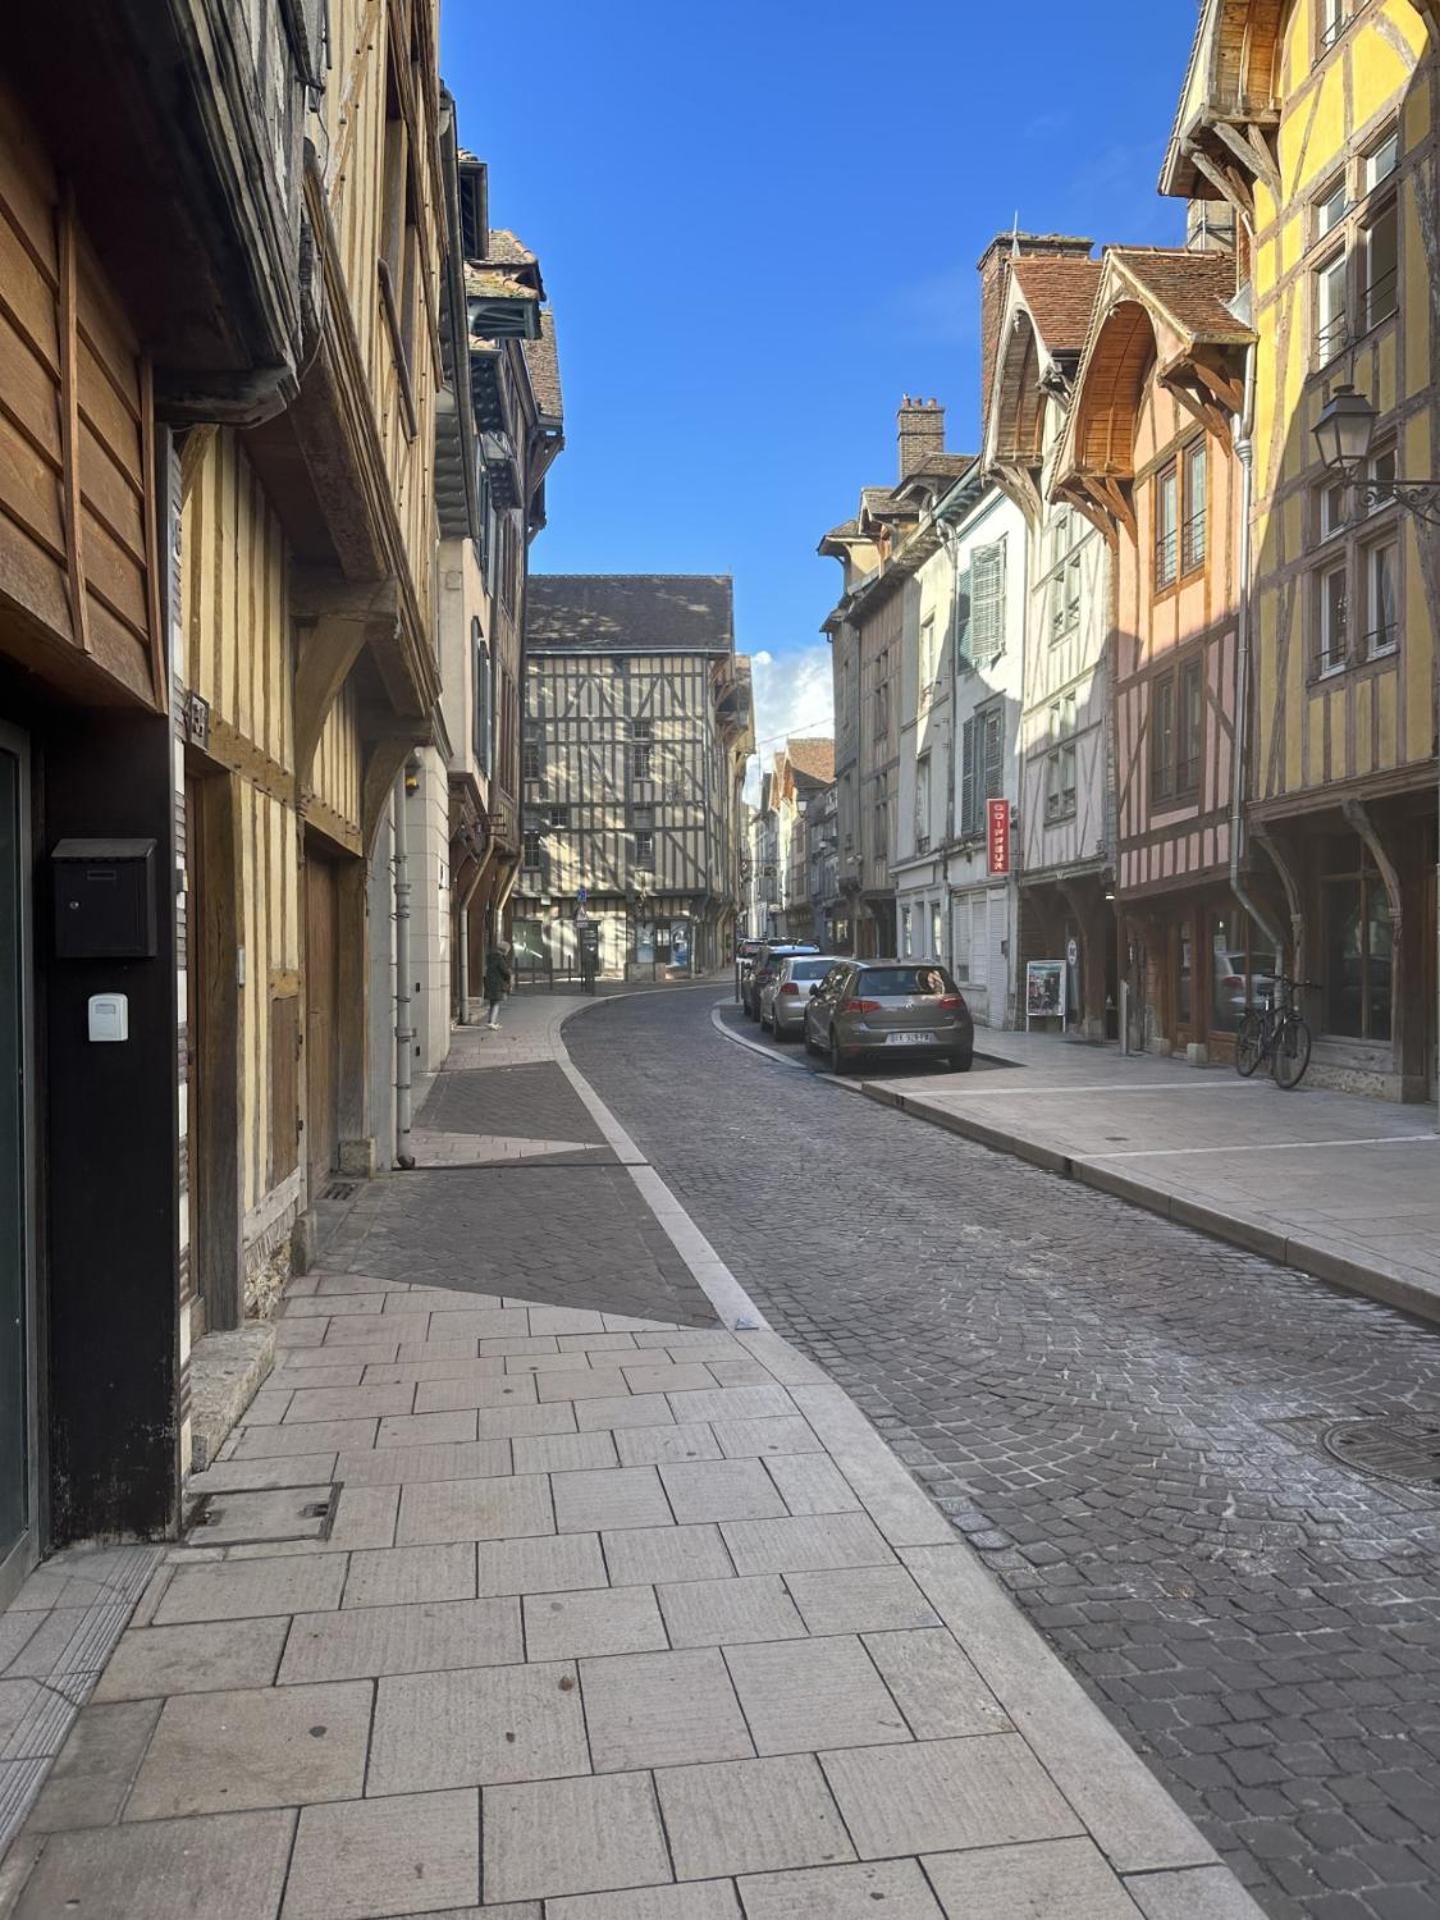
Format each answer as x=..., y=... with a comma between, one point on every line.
x=321, y=1007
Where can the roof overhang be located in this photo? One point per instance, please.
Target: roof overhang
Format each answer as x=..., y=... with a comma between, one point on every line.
x=1222, y=139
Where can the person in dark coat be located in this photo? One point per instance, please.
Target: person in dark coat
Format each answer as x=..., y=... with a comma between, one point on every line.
x=498, y=975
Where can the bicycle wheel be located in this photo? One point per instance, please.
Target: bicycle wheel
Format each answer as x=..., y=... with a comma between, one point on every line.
x=1249, y=1042
x=1292, y=1053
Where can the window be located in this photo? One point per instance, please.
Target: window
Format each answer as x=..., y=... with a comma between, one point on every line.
x=982, y=764
x=929, y=660
x=1167, y=515
x=1382, y=576
x=1192, y=532
x=1242, y=962
x=645, y=851
x=642, y=817
x=1190, y=733
x=1382, y=480
x=880, y=825
x=482, y=716
x=1162, y=738
x=987, y=605
x=641, y=762
x=534, y=765
x=642, y=729
x=880, y=711
x=922, y=804
x=531, y=856
x=398, y=265
x=907, y=943
x=1381, y=161
x=962, y=619
x=558, y=816
x=937, y=930
x=1332, y=329
x=1380, y=267
x=1330, y=211
x=1060, y=784
x=1332, y=508
x=1332, y=22
x=1359, y=959
x=1334, y=649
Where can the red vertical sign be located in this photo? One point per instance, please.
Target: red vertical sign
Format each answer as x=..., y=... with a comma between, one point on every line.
x=998, y=835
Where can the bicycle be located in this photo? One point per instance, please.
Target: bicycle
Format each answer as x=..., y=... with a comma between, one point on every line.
x=1277, y=1032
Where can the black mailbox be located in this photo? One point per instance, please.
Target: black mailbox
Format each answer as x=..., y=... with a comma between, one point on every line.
x=104, y=899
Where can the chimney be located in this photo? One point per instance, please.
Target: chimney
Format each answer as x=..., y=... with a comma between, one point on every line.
x=995, y=284
x=1209, y=226
x=921, y=432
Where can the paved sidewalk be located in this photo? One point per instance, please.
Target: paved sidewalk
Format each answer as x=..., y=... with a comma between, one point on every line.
x=504, y=1606
x=1338, y=1186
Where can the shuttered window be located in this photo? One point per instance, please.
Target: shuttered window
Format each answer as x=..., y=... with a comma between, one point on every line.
x=982, y=765
x=962, y=620
x=987, y=603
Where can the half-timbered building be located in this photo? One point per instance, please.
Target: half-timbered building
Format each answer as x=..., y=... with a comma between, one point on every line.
x=151, y=210
x=1315, y=121
x=1065, y=850
x=634, y=711
x=500, y=425
x=1148, y=454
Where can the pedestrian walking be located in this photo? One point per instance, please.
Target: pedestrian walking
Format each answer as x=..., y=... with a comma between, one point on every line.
x=498, y=975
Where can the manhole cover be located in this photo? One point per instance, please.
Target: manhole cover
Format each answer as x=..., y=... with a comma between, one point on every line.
x=1400, y=1446
x=339, y=1190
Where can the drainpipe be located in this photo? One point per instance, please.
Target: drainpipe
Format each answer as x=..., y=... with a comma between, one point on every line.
x=1245, y=453
x=404, y=1032
x=464, y=936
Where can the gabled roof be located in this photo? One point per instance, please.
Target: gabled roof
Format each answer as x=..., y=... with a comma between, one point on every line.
x=543, y=361
x=1161, y=308
x=1231, y=89
x=1058, y=294
x=630, y=613
x=813, y=759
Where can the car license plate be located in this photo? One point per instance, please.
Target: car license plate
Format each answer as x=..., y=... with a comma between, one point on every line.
x=908, y=1039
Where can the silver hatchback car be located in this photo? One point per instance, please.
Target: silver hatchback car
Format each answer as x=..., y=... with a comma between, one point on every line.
x=785, y=992
x=901, y=1008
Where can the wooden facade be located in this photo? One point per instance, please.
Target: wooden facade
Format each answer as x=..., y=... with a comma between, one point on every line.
x=1148, y=454
x=79, y=562
x=1340, y=781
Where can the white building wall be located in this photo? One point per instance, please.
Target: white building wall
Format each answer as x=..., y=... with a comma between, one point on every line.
x=983, y=911
x=924, y=821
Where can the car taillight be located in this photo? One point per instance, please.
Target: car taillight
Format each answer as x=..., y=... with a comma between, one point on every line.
x=952, y=1002
x=790, y=988
x=861, y=1006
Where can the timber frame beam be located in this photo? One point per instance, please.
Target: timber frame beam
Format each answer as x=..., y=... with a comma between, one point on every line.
x=336, y=621
x=384, y=757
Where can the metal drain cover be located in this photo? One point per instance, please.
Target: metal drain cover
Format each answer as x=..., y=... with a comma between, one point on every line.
x=339, y=1190
x=1398, y=1446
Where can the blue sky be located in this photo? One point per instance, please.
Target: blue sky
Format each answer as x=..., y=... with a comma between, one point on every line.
x=759, y=225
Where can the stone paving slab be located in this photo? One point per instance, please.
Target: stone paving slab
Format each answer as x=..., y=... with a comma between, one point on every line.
x=682, y=1648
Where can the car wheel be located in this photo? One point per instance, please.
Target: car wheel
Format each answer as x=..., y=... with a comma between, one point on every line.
x=782, y=1034
x=959, y=1062
x=766, y=1026
x=810, y=1046
x=839, y=1059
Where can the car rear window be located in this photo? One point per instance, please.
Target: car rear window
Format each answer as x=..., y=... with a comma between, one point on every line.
x=809, y=969
x=887, y=982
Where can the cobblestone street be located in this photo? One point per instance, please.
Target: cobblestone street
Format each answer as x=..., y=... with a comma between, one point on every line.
x=1126, y=1419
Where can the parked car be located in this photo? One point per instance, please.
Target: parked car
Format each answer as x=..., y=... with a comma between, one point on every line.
x=772, y=952
x=895, y=1007
x=784, y=994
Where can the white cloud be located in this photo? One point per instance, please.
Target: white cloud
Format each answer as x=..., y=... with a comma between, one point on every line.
x=794, y=696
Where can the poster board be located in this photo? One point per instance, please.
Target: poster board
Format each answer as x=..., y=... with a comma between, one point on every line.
x=1044, y=991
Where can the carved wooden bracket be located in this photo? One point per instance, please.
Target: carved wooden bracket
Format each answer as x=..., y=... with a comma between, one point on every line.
x=335, y=621
x=384, y=758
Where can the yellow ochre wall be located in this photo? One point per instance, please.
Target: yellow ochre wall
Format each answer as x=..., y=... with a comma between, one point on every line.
x=1360, y=729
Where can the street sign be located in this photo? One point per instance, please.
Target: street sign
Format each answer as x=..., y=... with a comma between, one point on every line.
x=997, y=838
x=1072, y=951
x=582, y=894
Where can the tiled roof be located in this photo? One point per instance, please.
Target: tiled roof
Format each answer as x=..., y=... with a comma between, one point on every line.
x=813, y=758
x=1190, y=289
x=543, y=361
x=490, y=282
x=630, y=612
x=506, y=250
x=1060, y=294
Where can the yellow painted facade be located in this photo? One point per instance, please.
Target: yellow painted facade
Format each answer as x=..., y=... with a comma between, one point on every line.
x=1323, y=721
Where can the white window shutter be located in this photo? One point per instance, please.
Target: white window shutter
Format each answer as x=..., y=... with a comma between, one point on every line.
x=987, y=609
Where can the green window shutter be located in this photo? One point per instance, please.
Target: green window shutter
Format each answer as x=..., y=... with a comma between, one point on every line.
x=987, y=613
x=969, y=810
x=994, y=722
x=962, y=621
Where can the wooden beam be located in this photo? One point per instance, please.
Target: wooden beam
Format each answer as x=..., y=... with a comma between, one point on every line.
x=1231, y=186
x=159, y=634
x=1254, y=157
x=337, y=619
x=384, y=760
x=70, y=420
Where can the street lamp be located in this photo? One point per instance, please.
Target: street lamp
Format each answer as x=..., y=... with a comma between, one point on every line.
x=1344, y=433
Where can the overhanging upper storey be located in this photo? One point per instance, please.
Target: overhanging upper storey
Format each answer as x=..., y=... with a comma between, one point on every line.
x=1223, y=140
x=1160, y=314
x=1043, y=327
